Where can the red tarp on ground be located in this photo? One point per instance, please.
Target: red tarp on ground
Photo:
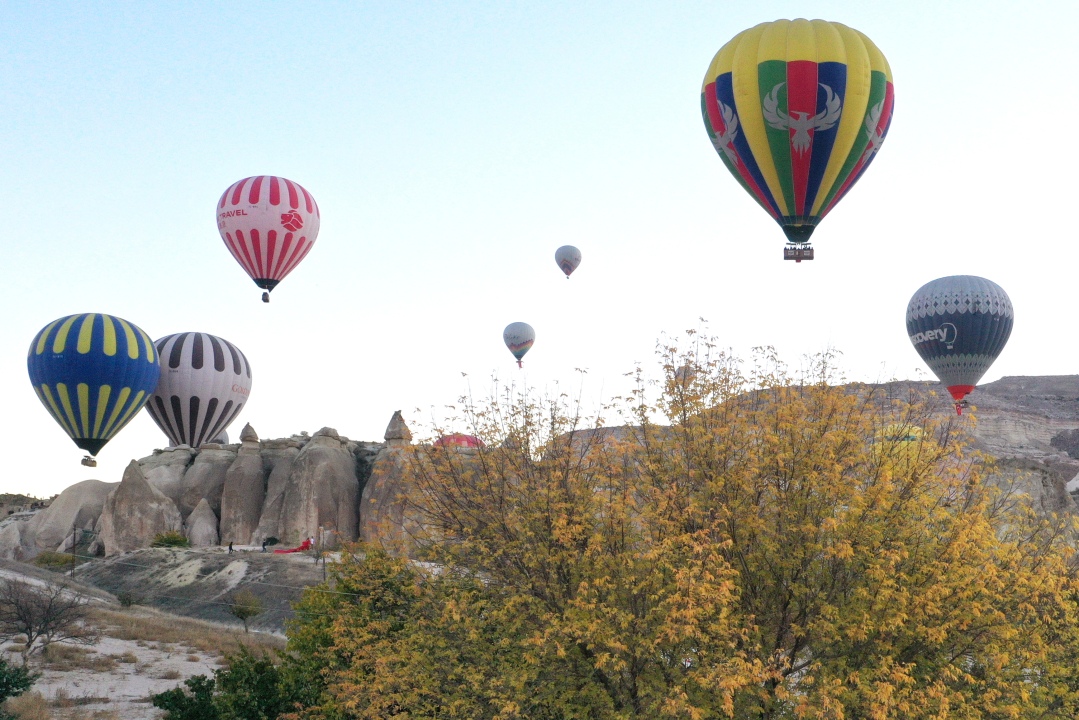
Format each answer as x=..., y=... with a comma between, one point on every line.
x=305, y=545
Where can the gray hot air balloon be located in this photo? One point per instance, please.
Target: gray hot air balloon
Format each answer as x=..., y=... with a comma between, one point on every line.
x=205, y=382
x=959, y=325
x=568, y=258
x=519, y=337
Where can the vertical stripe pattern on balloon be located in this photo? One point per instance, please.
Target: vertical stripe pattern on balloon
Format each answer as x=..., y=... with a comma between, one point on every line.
x=205, y=383
x=797, y=110
x=269, y=224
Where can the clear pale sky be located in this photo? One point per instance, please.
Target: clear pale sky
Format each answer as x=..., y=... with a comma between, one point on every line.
x=452, y=147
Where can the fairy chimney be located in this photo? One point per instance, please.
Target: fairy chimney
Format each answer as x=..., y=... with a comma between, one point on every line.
x=397, y=433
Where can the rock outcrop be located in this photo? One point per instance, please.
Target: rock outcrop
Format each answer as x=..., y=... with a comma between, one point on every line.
x=244, y=491
x=11, y=539
x=78, y=506
x=134, y=512
x=397, y=432
x=279, y=455
x=291, y=487
x=165, y=470
x=323, y=490
x=201, y=526
x=382, y=507
x=205, y=479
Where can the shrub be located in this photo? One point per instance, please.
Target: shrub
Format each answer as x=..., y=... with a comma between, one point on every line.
x=170, y=539
x=29, y=706
x=14, y=680
x=126, y=598
x=197, y=703
x=245, y=605
x=51, y=560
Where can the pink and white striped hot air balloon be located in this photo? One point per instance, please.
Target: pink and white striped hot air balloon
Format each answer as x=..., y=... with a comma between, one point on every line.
x=269, y=224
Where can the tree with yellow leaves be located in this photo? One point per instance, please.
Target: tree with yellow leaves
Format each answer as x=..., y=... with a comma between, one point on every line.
x=745, y=545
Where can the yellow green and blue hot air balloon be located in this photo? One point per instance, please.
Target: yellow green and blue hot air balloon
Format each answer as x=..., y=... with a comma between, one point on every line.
x=93, y=373
x=797, y=110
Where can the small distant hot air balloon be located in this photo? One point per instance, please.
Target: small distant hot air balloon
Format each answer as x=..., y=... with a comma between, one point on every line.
x=269, y=224
x=205, y=382
x=459, y=440
x=93, y=373
x=519, y=337
x=797, y=110
x=568, y=258
x=959, y=325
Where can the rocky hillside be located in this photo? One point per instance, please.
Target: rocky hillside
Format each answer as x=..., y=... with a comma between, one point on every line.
x=333, y=489
x=200, y=583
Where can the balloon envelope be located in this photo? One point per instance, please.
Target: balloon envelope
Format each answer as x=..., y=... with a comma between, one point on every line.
x=92, y=372
x=568, y=258
x=959, y=325
x=797, y=110
x=459, y=440
x=269, y=224
x=205, y=382
x=519, y=337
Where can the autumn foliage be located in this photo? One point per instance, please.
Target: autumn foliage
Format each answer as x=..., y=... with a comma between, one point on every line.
x=744, y=544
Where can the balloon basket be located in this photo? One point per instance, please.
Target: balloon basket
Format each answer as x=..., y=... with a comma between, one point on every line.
x=89, y=461
x=520, y=364
x=265, y=297
x=797, y=253
x=959, y=405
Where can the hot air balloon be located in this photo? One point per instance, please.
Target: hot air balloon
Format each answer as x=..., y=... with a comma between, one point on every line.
x=797, y=110
x=269, y=224
x=519, y=337
x=205, y=382
x=959, y=325
x=459, y=440
x=92, y=372
x=568, y=258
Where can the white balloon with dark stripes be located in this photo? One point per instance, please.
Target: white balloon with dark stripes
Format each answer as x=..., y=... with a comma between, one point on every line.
x=205, y=382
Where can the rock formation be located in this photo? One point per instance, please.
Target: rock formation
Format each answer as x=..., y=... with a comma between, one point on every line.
x=11, y=540
x=288, y=488
x=78, y=506
x=323, y=490
x=205, y=479
x=165, y=470
x=382, y=506
x=244, y=491
x=279, y=456
x=397, y=433
x=134, y=512
x=201, y=526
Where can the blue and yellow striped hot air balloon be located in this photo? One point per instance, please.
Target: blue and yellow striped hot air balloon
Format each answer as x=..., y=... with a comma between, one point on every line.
x=797, y=110
x=92, y=372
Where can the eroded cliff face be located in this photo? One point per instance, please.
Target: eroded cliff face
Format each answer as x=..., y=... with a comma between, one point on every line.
x=244, y=493
x=1031, y=424
x=336, y=489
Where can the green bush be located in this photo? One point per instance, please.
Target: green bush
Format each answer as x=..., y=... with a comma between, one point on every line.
x=249, y=686
x=14, y=680
x=53, y=560
x=245, y=605
x=170, y=539
x=127, y=598
x=195, y=704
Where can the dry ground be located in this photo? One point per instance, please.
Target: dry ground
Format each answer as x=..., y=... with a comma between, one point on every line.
x=141, y=652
